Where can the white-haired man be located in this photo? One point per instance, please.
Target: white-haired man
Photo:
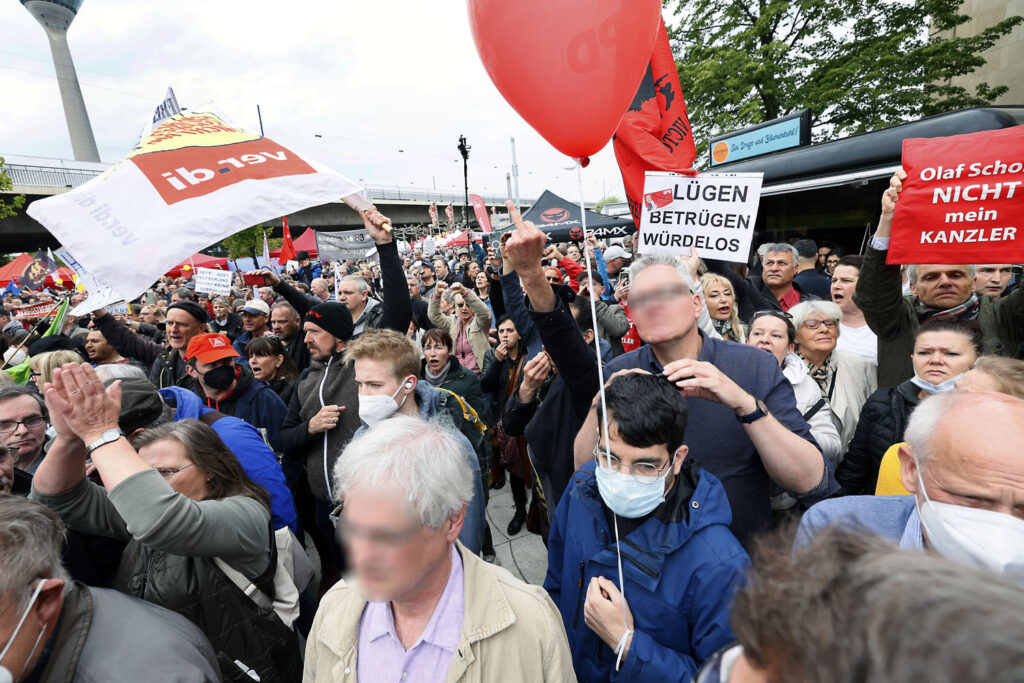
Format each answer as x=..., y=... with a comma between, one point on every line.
x=420, y=606
x=962, y=465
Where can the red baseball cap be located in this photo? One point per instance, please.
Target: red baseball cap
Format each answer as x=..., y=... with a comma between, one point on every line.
x=210, y=347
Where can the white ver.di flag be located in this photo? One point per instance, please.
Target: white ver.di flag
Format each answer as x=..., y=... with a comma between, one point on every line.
x=194, y=180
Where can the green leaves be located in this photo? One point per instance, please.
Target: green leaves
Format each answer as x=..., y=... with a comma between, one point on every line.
x=9, y=207
x=859, y=65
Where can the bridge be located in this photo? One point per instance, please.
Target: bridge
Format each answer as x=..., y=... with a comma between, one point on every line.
x=37, y=178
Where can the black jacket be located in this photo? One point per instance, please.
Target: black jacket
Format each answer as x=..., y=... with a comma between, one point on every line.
x=252, y=400
x=463, y=382
x=550, y=429
x=882, y=423
x=232, y=326
x=752, y=294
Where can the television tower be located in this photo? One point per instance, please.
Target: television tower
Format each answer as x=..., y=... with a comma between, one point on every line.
x=56, y=16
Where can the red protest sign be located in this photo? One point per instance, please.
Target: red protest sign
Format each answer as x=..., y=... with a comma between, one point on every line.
x=962, y=201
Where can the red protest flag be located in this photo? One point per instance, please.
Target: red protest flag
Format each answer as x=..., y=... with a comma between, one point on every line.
x=962, y=200
x=287, y=248
x=654, y=134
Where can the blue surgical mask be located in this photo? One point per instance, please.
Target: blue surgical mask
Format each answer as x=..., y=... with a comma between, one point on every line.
x=940, y=388
x=625, y=495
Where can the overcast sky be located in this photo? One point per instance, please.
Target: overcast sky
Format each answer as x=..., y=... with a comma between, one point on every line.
x=372, y=78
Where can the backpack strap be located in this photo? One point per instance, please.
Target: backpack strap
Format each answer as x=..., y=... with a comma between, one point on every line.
x=209, y=418
x=260, y=588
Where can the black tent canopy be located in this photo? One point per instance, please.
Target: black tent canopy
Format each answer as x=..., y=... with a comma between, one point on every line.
x=556, y=216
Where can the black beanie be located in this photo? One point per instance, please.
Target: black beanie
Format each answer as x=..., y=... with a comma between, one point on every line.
x=192, y=308
x=334, y=318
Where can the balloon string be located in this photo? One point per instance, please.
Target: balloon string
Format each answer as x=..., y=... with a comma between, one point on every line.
x=604, y=405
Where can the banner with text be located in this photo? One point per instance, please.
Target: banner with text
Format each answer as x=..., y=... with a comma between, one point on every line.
x=715, y=213
x=343, y=246
x=480, y=209
x=194, y=180
x=213, y=281
x=100, y=294
x=962, y=201
x=34, y=311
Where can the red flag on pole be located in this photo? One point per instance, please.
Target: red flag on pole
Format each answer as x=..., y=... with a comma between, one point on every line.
x=287, y=248
x=480, y=209
x=654, y=134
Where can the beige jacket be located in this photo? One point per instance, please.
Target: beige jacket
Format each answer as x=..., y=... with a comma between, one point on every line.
x=856, y=380
x=478, y=327
x=511, y=632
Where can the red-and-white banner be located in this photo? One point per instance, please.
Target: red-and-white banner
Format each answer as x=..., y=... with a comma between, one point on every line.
x=35, y=310
x=962, y=200
x=480, y=209
x=193, y=180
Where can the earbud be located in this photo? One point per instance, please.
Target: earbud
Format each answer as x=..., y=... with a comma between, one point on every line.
x=409, y=384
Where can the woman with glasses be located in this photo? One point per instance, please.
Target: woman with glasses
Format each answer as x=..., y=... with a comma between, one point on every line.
x=41, y=367
x=198, y=528
x=773, y=331
x=846, y=381
x=468, y=325
x=944, y=350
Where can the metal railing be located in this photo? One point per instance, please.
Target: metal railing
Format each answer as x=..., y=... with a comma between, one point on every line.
x=49, y=176
x=62, y=176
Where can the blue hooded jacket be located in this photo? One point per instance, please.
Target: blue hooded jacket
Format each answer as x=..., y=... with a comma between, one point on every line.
x=255, y=456
x=472, y=534
x=681, y=566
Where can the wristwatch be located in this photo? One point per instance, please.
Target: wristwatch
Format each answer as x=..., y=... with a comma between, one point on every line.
x=759, y=411
x=109, y=436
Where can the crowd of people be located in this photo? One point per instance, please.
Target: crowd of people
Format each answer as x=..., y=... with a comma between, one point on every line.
x=790, y=464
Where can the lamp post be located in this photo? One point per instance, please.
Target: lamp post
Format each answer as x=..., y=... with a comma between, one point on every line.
x=464, y=150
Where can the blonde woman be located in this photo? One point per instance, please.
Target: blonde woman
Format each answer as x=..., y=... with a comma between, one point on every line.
x=721, y=302
x=41, y=367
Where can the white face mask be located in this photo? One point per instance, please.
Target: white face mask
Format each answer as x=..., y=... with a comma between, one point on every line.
x=373, y=409
x=625, y=495
x=5, y=674
x=940, y=388
x=980, y=538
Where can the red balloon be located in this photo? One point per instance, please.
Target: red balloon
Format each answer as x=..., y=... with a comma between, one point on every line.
x=569, y=67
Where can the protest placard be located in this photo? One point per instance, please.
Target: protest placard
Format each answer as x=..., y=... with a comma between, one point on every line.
x=962, y=200
x=213, y=281
x=715, y=213
x=343, y=246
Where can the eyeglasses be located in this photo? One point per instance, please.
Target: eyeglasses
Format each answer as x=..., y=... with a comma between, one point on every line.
x=33, y=374
x=461, y=304
x=815, y=324
x=169, y=474
x=391, y=540
x=644, y=472
x=34, y=422
x=662, y=295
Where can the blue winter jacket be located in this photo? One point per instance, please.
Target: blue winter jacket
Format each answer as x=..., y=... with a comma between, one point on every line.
x=255, y=456
x=472, y=534
x=682, y=566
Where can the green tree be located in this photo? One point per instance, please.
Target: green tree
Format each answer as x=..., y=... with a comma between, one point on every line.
x=610, y=199
x=9, y=207
x=246, y=243
x=857, y=64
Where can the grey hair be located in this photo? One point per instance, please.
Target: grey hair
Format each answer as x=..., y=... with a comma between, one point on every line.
x=788, y=248
x=859, y=609
x=805, y=309
x=31, y=538
x=361, y=285
x=649, y=260
x=114, y=371
x=424, y=459
x=762, y=250
x=9, y=391
x=925, y=420
x=912, y=272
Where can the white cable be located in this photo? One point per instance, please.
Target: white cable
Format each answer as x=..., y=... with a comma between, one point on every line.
x=320, y=393
x=604, y=409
